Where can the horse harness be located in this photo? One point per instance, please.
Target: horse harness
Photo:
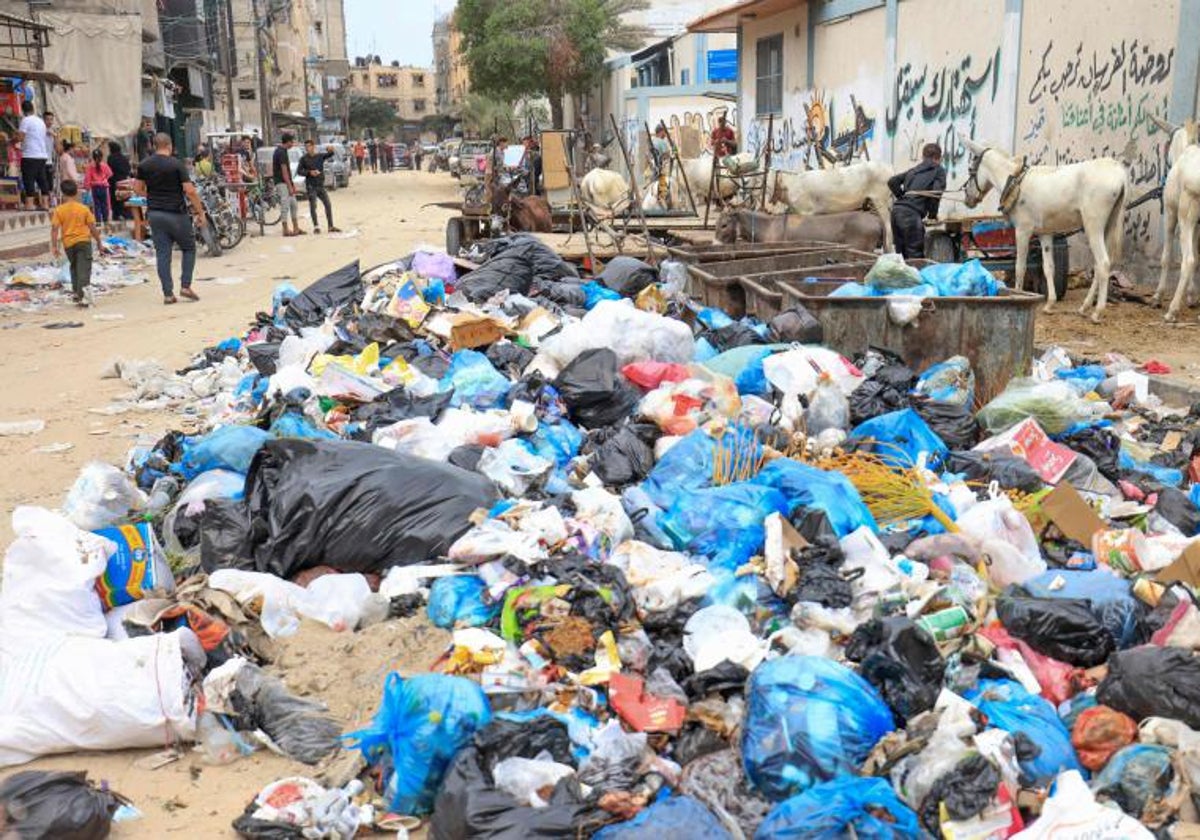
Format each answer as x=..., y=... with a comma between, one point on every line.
x=1012, y=186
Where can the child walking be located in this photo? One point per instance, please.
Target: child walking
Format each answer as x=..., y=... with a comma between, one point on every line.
x=72, y=225
x=95, y=181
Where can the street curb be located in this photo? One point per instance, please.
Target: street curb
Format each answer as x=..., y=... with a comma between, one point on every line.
x=1175, y=391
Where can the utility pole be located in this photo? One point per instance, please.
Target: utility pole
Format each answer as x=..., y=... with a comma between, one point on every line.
x=264, y=99
x=228, y=38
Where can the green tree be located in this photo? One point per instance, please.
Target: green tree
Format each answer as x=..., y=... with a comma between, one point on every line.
x=520, y=48
x=379, y=115
x=482, y=116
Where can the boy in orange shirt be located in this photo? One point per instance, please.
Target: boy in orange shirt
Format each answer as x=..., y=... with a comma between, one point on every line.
x=73, y=223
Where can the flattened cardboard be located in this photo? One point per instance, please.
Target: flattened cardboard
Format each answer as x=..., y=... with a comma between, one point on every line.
x=1185, y=569
x=1073, y=516
x=470, y=331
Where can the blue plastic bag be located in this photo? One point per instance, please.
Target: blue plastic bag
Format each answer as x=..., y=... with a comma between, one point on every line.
x=830, y=811
x=808, y=720
x=704, y=350
x=724, y=524
x=831, y=492
x=422, y=723
x=292, y=424
x=597, y=292
x=1163, y=475
x=1084, y=379
x=951, y=381
x=968, y=279
x=1110, y=598
x=224, y=448
x=1136, y=775
x=901, y=437
x=852, y=290
x=713, y=318
x=558, y=442
x=280, y=299
x=670, y=818
x=474, y=380
x=1010, y=707
x=459, y=600
x=744, y=366
x=688, y=465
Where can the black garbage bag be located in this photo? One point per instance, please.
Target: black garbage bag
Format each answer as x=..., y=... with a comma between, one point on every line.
x=468, y=804
x=503, y=739
x=627, y=276
x=396, y=405
x=331, y=292
x=599, y=591
x=819, y=577
x=44, y=805
x=354, y=506
x=733, y=335
x=796, y=325
x=813, y=524
x=1062, y=628
x=896, y=375
x=568, y=295
x=434, y=365
x=1176, y=507
x=224, y=533
x=250, y=827
x=380, y=328
x=594, y=390
x=1101, y=445
x=264, y=356
x=303, y=729
x=873, y=398
x=724, y=678
x=1002, y=467
x=513, y=263
x=954, y=424
x=509, y=358
x=1152, y=681
x=901, y=660
x=965, y=791
x=467, y=457
x=622, y=455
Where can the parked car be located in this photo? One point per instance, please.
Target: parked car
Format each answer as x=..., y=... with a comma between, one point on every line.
x=469, y=154
x=266, y=155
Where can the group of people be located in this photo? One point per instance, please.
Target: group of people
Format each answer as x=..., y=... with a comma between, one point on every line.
x=376, y=155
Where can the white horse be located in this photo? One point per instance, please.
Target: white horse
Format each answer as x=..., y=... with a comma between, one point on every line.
x=1181, y=213
x=840, y=190
x=1046, y=200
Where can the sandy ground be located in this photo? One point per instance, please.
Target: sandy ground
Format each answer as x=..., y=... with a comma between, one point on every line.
x=54, y=375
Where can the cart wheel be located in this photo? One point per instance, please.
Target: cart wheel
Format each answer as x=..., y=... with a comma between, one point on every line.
x=455, y=236
x=939, y=247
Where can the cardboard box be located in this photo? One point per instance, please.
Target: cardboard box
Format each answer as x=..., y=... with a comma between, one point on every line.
x=1074, y=517
x=470, y=331
x=1185, y=569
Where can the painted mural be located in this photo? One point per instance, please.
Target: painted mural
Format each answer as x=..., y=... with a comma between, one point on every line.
x=818, y=128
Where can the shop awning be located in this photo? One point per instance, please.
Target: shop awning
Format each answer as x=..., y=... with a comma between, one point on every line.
x=35, y=76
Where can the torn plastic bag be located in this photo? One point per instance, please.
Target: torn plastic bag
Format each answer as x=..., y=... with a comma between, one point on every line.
x=873, y=398
x=1043, y=743
x=1174, y=506
x=901, y=438
x=964, y=792
x=669, y=818
x=310, y=502
x=1054, y=405
x=331, y=292
x=595, y=392
x=1109, y=597
x=264, y=355
x=1004, y=468
x=806, y=486
x=509, y=358
x=808, y=719
x=629, y=332
x=224, y=448
x=1138, y=778
x=627, y=275
x=43, y=805
x=1099, y=444
x=1151, y=681
x=843, y=807
x=796, y=371
x=513, y=263
x=720, y=633
x=1099, y=732
x=1005, y=536
x=725, y=524
x=954, y=424
x=459, y=600
x=716, y=779
x=1072, y=813
x=396, y=405
x=102, y=495
x=678, y=408
x=301, y=728
x=1060, y=628
x=951, y=381
x=557, y=442
x=796, y=325
x=514, y=467
x=225, y=538
x=901, y=660
x=439, y=712
x=469, y=805
x=1056, y=681
x=623, y=455
x=474, y=381
x=688, y=465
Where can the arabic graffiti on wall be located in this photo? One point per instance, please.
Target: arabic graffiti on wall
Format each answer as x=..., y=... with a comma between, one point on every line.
x=1084, y=101
x=932, y=104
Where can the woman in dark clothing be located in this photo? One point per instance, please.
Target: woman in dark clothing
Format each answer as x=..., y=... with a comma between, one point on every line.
x=121, y=171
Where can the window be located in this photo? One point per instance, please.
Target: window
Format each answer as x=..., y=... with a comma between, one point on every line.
x=418, y=105
x=317, y=27
x=247, y=94
x=418, y=80
x=685, y=76
x=768, y=97
x=387, y=80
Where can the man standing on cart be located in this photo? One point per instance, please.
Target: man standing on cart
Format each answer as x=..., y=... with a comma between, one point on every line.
x=722, y=139
x=918, y=193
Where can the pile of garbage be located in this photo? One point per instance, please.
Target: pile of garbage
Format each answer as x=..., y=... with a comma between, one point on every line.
x=700, y=578
x=35, y=286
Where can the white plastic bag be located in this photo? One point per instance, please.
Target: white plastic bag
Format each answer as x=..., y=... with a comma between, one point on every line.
x=339, y=603
x=1007, y=540
x=604, y=512
x=49, y=587
x=629, y=332
x=74, y=693
x=102, y=495
x=660, y=580
x=513, y=468
x=716, y=633
x=522, y=778
x=795, y=371
x=1072, y=813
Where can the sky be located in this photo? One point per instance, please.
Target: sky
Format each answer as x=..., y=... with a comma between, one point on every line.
x=395, y=30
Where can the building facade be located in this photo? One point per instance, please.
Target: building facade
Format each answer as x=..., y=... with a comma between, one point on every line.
x=452, y=78
x=412, y=90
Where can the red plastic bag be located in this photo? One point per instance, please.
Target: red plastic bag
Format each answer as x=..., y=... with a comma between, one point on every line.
x=1058, y=680
x=649, y=375
x=1099, y=732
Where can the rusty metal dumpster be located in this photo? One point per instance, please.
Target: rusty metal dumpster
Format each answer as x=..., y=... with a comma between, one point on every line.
x=718, y=284
x=994, y=333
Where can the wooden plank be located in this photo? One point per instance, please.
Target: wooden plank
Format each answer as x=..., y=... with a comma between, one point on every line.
x=555, y=161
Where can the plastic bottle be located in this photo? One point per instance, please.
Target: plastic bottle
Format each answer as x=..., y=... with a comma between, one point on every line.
x=829, y=408
x=673, y=275
x=218, y=743
x=162, y=494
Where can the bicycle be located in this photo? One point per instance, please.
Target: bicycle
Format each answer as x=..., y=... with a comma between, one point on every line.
x=264, y=204
x=225, y=226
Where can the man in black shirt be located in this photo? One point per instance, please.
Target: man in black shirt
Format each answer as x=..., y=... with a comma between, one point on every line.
x=143, y=143
x=285, y=188
x=312, y=165
x=914, y=204
x=168, y=189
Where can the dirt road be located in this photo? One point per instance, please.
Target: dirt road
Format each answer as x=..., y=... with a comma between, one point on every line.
x=54, y=375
